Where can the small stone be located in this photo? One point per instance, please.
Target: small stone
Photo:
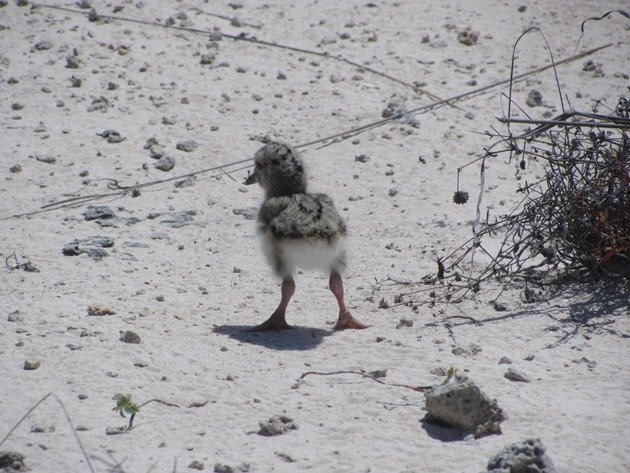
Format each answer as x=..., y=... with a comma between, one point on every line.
x=129, y=337
x=392, y=192
x=438, y=44
x=198, y=403
x=92, y=246
x=196, y=465
x=514, y=374
x=249, y=213
x=378, y=373
x=404, y=323
x=112, y=136
x=165, y=163
x=98, y=212
x=221, y=468
x=534, y=98
x=97, y=310
x=207, y=59
x=42, y=45
x=15, y=168
x=150, y=143
x=82, y=397
x=32, y=364
x=505, y=361
x=156, y=151
x=187, y=146
x=160, y=298
x=46, y=159
x=72, y=62
x=93, y=16
x=499, y=307
x=15, y=316
x=116, y=430
x=281, y=76
x=467, y=37
x=179, y=219
x=276, y=425
x=17, y=106
x=522, y=8
x=99, y=104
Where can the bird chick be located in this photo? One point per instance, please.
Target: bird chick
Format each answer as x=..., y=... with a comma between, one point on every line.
x=298, y=229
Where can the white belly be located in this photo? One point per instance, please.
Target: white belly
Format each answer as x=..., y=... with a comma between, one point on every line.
x=307, y=254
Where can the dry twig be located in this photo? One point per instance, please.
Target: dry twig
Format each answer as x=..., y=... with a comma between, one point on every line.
x=365, y=375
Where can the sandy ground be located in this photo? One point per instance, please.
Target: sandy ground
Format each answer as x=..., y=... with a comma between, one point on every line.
x=189, y=288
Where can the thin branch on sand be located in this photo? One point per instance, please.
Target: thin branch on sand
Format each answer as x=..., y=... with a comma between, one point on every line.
x=365, y=375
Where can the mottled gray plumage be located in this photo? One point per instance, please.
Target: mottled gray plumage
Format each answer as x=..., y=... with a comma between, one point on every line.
x=297, y=228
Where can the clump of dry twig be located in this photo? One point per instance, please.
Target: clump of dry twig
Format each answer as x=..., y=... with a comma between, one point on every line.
x=573, y=220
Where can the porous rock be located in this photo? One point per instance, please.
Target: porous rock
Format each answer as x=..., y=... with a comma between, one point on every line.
x=461, y=404
x=129, y=337
x=97, y=212
x=92, y=246
x=12, y=461
x=276, y=425
x=527, y=456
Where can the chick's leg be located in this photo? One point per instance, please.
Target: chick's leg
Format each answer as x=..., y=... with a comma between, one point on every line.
x=345, y=320
x=277, y=320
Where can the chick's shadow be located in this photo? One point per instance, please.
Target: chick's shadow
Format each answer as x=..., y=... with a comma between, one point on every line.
x=294, y=339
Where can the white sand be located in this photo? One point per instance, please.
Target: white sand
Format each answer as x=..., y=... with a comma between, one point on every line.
x=346, y=423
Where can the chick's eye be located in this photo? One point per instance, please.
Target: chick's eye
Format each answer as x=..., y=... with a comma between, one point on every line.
x=258, y=166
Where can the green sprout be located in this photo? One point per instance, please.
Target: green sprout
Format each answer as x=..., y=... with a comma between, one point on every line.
x=124, y=405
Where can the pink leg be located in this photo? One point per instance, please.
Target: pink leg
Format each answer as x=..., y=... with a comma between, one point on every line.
x=345, y=317
x=277, y=319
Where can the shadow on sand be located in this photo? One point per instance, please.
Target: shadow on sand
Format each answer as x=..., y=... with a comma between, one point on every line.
x=293, y=339
x=573, y=306
x=443, y=433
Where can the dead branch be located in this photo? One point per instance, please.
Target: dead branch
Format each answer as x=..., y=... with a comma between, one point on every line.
x=365, y=375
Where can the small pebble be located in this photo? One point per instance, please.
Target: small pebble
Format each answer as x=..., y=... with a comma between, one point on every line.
x=129, y=337
x=32, y=364
x=514, y=374
x=165, y=163
x=187, y=146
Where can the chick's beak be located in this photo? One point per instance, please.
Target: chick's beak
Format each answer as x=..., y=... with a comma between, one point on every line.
x=251, y=179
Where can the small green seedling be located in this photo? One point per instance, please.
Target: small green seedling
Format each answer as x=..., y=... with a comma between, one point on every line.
x=124, y=405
